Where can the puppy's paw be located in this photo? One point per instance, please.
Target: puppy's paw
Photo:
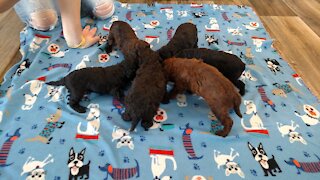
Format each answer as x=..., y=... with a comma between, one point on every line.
x=221, y=133
x=125, y=116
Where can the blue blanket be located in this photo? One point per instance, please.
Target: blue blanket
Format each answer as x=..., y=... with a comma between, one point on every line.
x=42, y=137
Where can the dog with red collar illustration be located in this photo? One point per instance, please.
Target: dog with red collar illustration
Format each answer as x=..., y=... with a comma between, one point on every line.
x=311, y=117
x=268, y=165
x=77, y=166
x=158, y=120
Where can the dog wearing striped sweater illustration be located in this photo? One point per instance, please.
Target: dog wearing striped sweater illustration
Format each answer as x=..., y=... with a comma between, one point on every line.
x=120, y=173
x=187, y=142
x=265, y=98
x=6, y=146
x=307, y=167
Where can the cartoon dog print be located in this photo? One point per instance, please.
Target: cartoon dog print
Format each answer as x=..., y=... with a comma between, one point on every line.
x=211, y=40
x=213, y=25
x=168, y=12
x=258, y=41
x=35, y=88
x=37, y=40
x=199, y=177
x=103, y=58
x=198, y=14
x=102, y=39
x=82, y=64
x=123, y=137
x=120, y=173
x=93, y=119
x=251, y=25
x=158, y=162
x=35, y=169
x=246, y=75
x=23, y=66
x=283, y=89
x=311, y=117
x=268, y=165
x=77, y=166
x=235, y=31
x=182, y=100
x=152, y=24
x=183, y=13
x=54, y=51
x=307, y=167
x=273, y=65
x=158, y=120
x=54, y=93
x=255, y=120
x=217, y=7
x=6, y=147
x=290, y=130
x=52, y=124
x=151, y=39
x=226, y=160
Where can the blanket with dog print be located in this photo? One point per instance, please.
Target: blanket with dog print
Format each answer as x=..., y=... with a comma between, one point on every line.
x=43, y=138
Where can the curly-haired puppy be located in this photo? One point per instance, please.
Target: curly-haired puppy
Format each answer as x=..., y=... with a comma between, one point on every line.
x=120, y=36
x=185, y=37
x=228, y=64
x=147, y=90
x=111, y=79
x=207, y=82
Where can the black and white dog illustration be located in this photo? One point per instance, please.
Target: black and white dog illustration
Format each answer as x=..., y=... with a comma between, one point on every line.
x=267, y=164
x=23, y=66
x=76, y=165
x=273, y=65
x=211, y=40
x=198, y=14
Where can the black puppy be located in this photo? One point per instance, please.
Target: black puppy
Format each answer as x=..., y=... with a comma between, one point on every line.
x=147, y=90
x=76, y=165
x=228, y=64
x=267, y=164
x=185, y=37
x=111, y=79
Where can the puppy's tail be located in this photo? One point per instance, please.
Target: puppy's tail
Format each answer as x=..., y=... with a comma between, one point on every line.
x=60, y=82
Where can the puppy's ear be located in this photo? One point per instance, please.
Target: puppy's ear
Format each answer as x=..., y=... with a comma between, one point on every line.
x=227, y=172
x=260, y=146
x=118, y=145
x=131, y=146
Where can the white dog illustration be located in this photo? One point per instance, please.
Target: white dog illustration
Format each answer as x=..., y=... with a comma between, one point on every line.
x=93, y=119
x=247, y=75
x=311, y=117
x=290, y=130
x=82, y=64
x=123, y=137
x=158, y=163
x=182, y=100
x=255, y=120
x=54, y=93
x=227, y=160
x=30, y=99
x=35, y=168
x=235, y=31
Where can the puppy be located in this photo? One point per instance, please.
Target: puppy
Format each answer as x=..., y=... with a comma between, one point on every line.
x=185, y=37
x=111, y=79
x=121, y=36
x=147, y=90
x=207, y=82
x=229, y=65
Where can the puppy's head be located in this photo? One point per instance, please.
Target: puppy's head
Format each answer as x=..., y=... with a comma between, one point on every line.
x=311, y=111
x=259, y=154
x=75, y=161
x=233, y=168
x=125, y=141
x=37, y=174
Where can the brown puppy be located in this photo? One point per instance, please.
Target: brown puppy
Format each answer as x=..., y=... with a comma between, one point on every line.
x=207, y=82
x=185, y=37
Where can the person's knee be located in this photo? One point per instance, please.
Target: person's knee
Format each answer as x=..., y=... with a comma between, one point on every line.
x=43, y=20
x=104, y=10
